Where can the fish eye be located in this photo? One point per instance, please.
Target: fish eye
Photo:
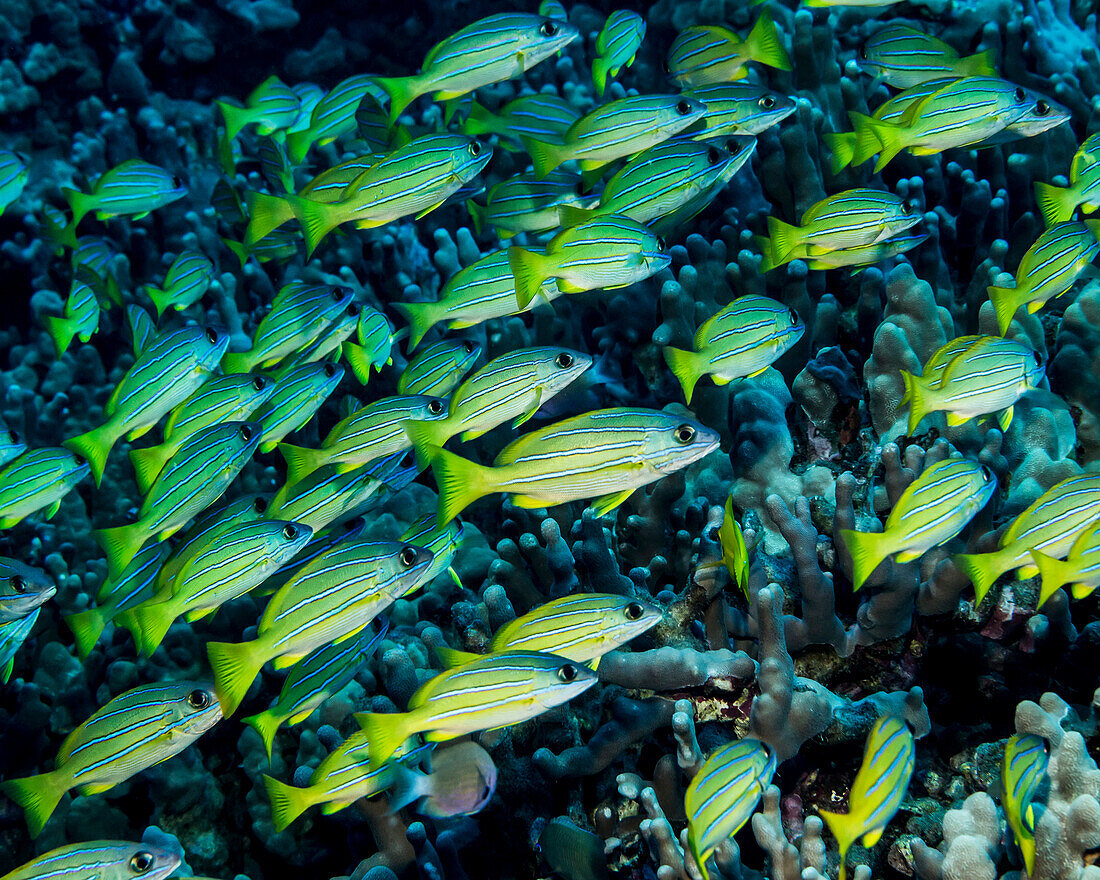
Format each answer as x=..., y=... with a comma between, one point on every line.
x=683, y=108
x=259, y=383
x=330, y=370
x=408, y=459
x=408, y=556
x=713, y=156
x=767, y=102
x=435, y=406
x=685, y=434
x=1042, y=108
x=1038, y=359
x=176, y=183
x=18, y=584
x=336, y=293
x=578, y=190
x=863, y=52
x=486, y=792
x=142, y=863
x=212, y=335
x=475, y=148
x=245, y=432
x=548, y=29
x=79, y=459
x=259, y=504
x=987, y=474
x=793, y=315
x=567, y=673
x=354, y=310
x=564, y=360
x=907, y=208
x=1020, y=95
x=198, y=699
x=290, y=532
x=666, y=67
x=662, y=245
x=14, y=436
x=634, y=611
x=469, y=346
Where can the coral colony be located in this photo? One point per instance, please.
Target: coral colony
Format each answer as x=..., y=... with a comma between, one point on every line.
x=478, y=440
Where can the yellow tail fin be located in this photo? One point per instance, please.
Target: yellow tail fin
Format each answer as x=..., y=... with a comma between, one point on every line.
x=94, y=446
x=917, y=396
x=266, y=724
x=763, y=44
x=1056, y=202
x=267, y=213
x=148, y=463
x=685, y=366
x=385, y=733
x=868, y=552
x=843, y=147
x=529, y=270
x=287, y=802
x=461, y=482
x=784, y=237
x=1005, y=304
x=62, y=331
x=403, y=90
x=38, y=796
x=1054, y=573
x=87, y=626
x=235, y=668
x=544, y=157
x=846, y=829
x=983, y=569
x=421, y=317
x=120, y=544
x=979, y=64
x=301, y=461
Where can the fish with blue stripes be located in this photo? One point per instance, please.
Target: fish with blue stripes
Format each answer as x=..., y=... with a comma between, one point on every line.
x=13, y=177
x=962, y=113
x=743, y=339
x=852, y=218
x=705, y=54
x=132, y=732
x=23, y=588
x=82, y=310
x=616, y=45
x=904, y=56
x=231, y=398
x=272, y=107
x=325, y=497
x=1059, y=202
x=931, y=511
x=442, y=541
x=329, y=601
x=329, y=345
x=215, y=571
x=603, y=455
x=491, y=50
x=1050, y=524
x=299, y=392
x=1023, y=771
x=132, y=189
x=376, y=337
x=185, y=283
x=878, y=789
x=582, y=627
x=99, y=860
x=412, y=180
x=735, y=552
x=493, y=691
x=192, y=479
x=1048, y=269
x=742, y=108
x=168, y=371
x=333, y=116
x=543, y=116
x=368, y=434
x=724, y=794
x=510, y=388
x=1080, y=568
x=439, y=368
x=664, y=179
x=343, y=777
x=525, y=203
x=137, y=582
x=38, y=480
x=312, y=681
x=986, y=378
x=299, y=314
x=602, y=254
x=615, y=130
x=484, y=290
